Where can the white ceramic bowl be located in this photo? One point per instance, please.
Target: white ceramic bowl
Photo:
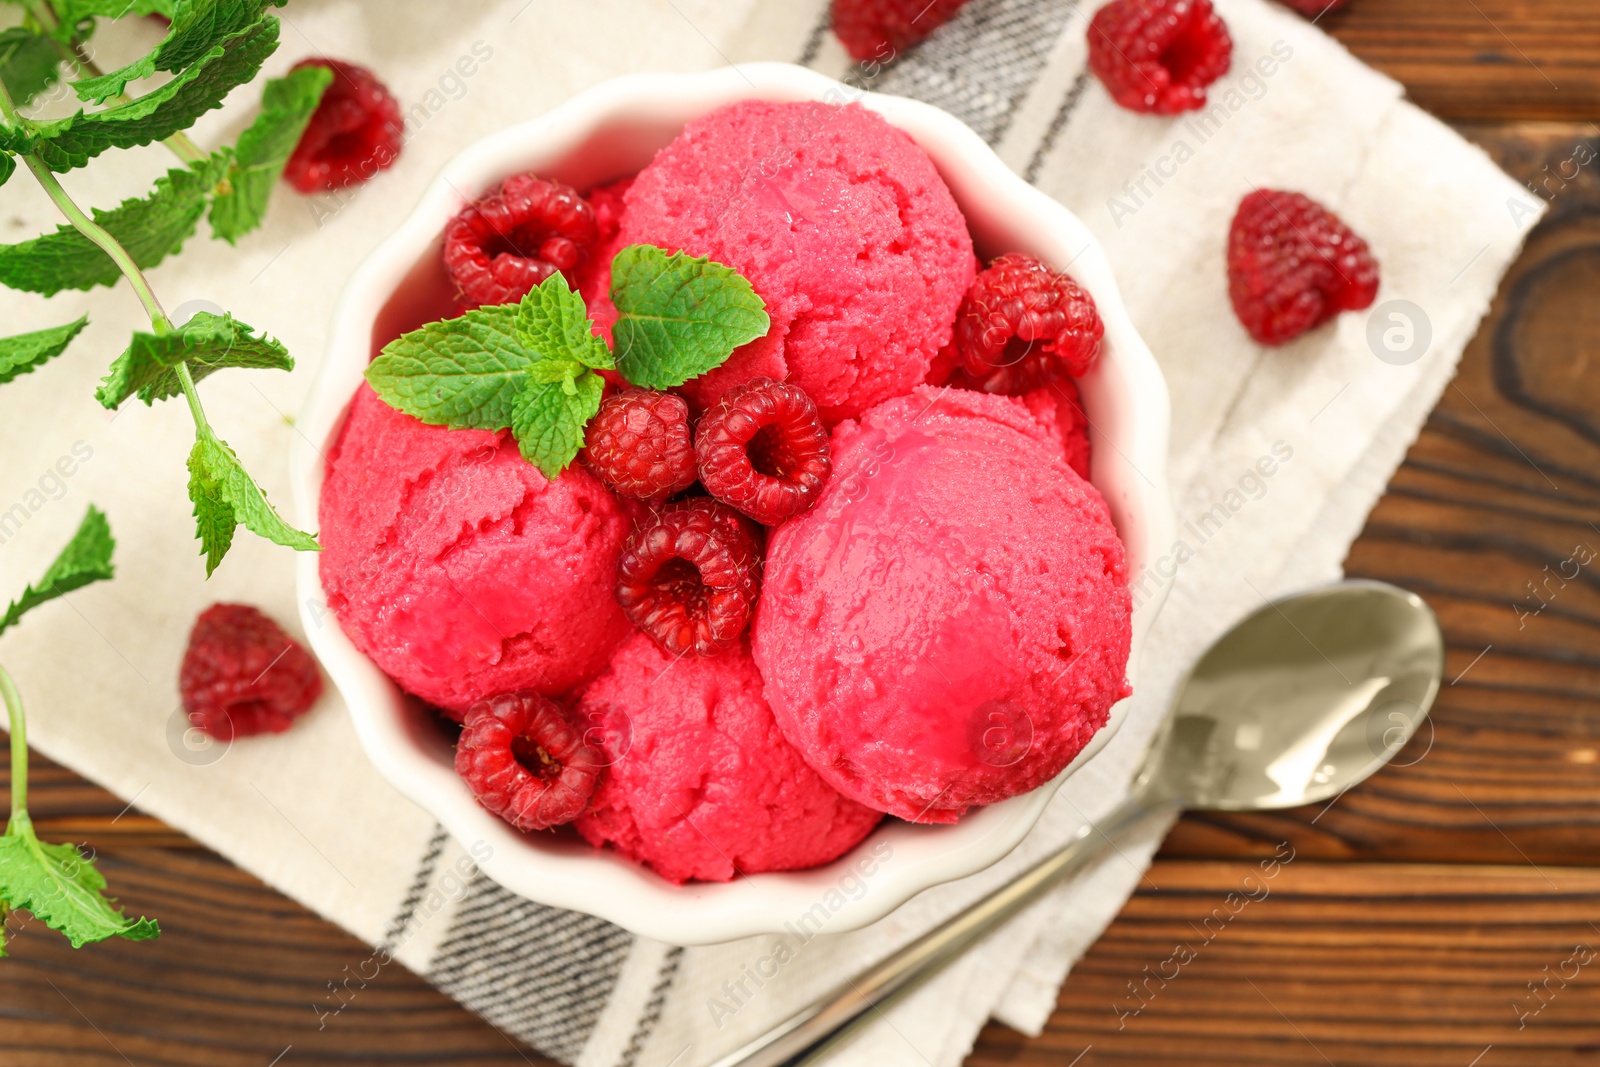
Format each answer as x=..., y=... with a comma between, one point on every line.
x=606, y=132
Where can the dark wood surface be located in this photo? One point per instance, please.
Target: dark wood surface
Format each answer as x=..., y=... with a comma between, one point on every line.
x=1441, y=913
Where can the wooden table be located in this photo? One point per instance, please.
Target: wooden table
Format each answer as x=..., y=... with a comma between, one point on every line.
x=1428, y=917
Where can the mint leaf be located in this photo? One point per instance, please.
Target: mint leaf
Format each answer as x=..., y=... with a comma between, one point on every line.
x=28, y=351
x=465, y=372
x=61, y=887
x=553, y=322
x=225, y=496
x=72, y=14
x=548, y=421
x=214, y=517
x=8, y=165
x=86, y=559
x=207, y=343
x=678, y=316
x=197, y=27
x=150, y=228
x=287, y=104
x=29, y=63
x=71, y=142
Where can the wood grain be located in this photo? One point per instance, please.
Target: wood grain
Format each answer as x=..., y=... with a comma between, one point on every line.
x=1417, y=910
x=1482, y=59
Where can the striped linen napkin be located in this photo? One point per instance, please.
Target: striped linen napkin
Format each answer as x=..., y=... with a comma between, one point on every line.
x=1326, y=415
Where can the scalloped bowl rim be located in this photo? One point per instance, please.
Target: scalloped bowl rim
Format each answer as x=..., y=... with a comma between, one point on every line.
x=1125, y=396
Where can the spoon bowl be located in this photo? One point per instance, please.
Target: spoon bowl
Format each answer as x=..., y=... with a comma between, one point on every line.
x=1299, y=701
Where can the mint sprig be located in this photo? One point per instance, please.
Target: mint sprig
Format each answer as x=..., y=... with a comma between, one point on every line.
x=57, y=883
x=677, y=316
x=205, y=344
x=151, y=228
x=211, y=47
x=532, y=367
x=197, y=27
x=71, y=142
x=72, y=16
x=526, y=367
x=225, y=497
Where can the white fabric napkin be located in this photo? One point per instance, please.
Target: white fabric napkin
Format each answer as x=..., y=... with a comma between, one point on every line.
x=305, y=811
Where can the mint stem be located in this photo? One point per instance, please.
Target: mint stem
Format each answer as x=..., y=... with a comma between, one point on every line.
x=108, y=244
x=186, y=381
x=79, y=60
x=20, y=823
x=87, y=226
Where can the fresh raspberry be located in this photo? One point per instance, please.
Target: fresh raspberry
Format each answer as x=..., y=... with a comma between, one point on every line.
x=526, y=761
x=355, y=132
x=608, y=203
x=1293, y=265
x=1158, y=56
x=763, y=449
x=638, y=443
x=243, y=675
x=500, y=247
x=689, y=576
x=1022, y=325
x=878, y=29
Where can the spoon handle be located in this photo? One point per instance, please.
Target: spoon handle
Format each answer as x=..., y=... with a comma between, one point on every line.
x=813, y=1030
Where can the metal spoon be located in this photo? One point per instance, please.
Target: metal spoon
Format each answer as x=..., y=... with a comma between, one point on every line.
x=1294, y=705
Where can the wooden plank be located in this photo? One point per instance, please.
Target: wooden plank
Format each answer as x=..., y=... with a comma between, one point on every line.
x=1482, y=59
x=1376, y=964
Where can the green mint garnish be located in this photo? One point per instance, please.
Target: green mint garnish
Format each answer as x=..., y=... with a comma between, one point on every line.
x=464, y=373
x=61, y=887
x=87, y=558
x=553, y=323
x=210, y=48
x=151, y=228
x=548, y=419
x=678, y=316
x=28, y=351
x=258, y=159
x=206, y=343
x=71, y=14
x=29, y=63
x=531, y=367
x=225, y=496
x=197, y=27
x=71, y=142
x=57, y=883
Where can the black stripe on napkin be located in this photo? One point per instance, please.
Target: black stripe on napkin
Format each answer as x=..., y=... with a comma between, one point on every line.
x=1058, y=122
x=419, y=885
x=981, y=65
x=539, y=973
x=652, y=1008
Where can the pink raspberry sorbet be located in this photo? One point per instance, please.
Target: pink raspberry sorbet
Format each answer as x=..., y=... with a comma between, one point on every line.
x=702, y=784
x=842, y=225
x=458, y=568
x=950, y=625
x=1059, y=408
